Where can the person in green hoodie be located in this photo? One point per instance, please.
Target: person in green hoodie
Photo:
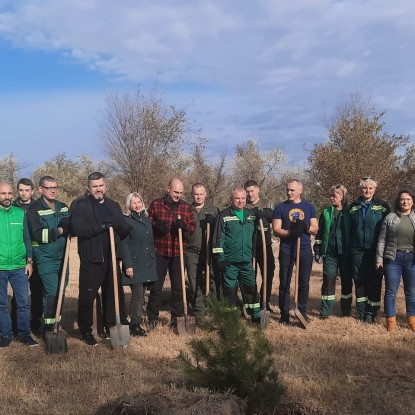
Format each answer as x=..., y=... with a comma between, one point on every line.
x=15, y=268
x=331, y=248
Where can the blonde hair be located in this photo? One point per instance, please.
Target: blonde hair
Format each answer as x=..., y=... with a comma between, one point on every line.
x=128, y=201
x=341, y=190
x=368, y=181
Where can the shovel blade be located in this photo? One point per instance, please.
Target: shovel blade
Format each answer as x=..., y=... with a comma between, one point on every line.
x=186, y=326
x=120, y=335
x=264, y=320
x=303, y=321
x=56, y=343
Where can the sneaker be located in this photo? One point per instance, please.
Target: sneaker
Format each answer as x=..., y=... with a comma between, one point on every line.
x=89, y=339
x=106, y=334
x=29, y=341
x=323, y=317
x=4, y=342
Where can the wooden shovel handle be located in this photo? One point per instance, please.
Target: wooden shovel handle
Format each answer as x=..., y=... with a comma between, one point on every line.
x=297, y=269
x=114, y=275
x=182, y=269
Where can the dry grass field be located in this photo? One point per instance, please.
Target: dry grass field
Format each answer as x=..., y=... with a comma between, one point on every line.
x=337, y=366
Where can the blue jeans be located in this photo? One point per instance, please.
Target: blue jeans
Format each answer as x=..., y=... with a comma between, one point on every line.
x=403, y=264
x=20, y=285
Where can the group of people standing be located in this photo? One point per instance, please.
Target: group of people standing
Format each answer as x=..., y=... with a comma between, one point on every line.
x=364, y=241
x=361, y=240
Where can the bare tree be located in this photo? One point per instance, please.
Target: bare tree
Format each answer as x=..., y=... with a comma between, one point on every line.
x=212, y=174
x=266, y=167
x=9, y=168
x=357, y=146
x=143, y=138
x=71, y=174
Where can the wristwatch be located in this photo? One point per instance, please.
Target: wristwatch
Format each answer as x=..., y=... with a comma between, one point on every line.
x=29, y=262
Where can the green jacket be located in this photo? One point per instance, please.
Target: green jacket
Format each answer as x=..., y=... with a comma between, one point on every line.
x=196, y=242
x=15, y=246
x=43, y=223
x=330, y=239
x=232, y=238
x=365, y=227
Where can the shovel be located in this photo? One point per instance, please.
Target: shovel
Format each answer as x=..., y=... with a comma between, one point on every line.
x=186, y=326
x=264, y=320
x=120, y=333
x=207, y=271
x=55, y=341
x=297, y=312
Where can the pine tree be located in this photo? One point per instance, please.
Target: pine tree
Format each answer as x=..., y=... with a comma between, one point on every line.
x=234, y=357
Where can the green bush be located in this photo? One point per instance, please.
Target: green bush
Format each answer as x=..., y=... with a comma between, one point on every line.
x=234, y=357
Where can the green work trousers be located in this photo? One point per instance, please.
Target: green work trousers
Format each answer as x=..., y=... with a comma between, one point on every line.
x=331, y=266
x=242, y=274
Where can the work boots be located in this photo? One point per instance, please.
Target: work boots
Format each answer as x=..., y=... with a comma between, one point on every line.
x=391, y=323
x=411, y=322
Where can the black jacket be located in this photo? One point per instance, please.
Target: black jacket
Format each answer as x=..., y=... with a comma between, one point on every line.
x=91, y=232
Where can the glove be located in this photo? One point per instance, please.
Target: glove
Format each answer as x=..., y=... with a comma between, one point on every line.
x=259, y=214
x=107, y=225
x=221, y=266
x=181, y=224
x=318, y=259
x=65, y=223
x=295, y=232
x=161, y=227
x=299, y=223
x=209, y=218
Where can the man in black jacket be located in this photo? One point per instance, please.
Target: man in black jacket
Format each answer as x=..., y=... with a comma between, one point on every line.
x=92, y=216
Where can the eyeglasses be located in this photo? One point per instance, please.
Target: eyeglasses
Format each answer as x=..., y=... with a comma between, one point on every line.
x=50, y=188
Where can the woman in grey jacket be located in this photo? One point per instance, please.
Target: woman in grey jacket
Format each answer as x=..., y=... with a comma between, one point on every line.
x=138, y=258
x=395, y=254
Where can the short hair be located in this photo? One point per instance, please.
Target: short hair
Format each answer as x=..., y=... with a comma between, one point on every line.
x=250, y=183
x=44, y=179
x=198, y=184
x=341, y=190
x=25, y=182
x=296, y=181
x=367, y=181
x=396, y=203
x=96, y=175
x=130, y=198
x=238, y=189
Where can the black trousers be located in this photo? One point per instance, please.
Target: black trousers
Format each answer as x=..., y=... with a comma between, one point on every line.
x=259, y=257
x=164, y=264
x=92, y=276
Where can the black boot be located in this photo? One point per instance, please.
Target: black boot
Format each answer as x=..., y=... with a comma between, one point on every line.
x=136, y=330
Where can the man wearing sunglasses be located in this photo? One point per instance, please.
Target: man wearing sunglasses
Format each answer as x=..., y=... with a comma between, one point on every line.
x=48, y=221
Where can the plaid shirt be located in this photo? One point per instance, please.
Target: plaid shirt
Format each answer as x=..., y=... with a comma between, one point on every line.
x=168, y=245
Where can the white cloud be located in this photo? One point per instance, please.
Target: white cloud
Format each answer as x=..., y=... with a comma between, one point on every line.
x=267, y=57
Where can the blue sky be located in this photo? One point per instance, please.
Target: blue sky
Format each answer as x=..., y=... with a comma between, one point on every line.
x=270, y=70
